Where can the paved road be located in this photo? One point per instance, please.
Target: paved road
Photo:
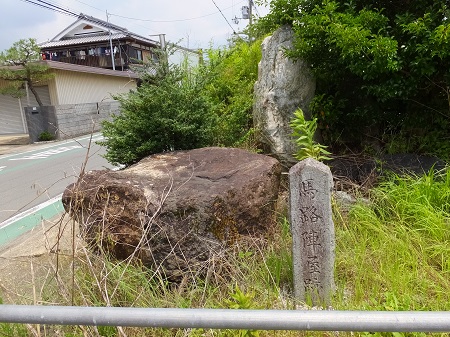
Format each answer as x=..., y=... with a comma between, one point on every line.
x=40, y=175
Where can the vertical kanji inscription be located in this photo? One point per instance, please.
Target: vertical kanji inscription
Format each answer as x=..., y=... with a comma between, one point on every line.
x=312, y=231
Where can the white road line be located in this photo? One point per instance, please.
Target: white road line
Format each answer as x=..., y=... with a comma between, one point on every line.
x=30, y=211
x=95, y=137
x=48, y=153
x=2, y=167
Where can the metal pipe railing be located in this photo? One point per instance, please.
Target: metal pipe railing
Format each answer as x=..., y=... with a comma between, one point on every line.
x=314, y=320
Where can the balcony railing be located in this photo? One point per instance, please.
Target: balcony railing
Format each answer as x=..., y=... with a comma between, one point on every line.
x=99, y=61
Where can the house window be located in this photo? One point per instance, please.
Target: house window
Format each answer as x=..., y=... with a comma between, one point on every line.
x=139, y=55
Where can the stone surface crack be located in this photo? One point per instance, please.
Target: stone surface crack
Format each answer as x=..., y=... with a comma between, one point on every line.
x=211, y=177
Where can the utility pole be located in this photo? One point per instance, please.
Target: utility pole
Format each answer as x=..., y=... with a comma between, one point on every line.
x=162, y=41
x=250, y=8
x=246, y=12
x=110, y=42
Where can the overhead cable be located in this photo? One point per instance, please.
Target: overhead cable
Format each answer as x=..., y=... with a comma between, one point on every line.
x=84, y=3
x=51, y=7
x=57, y=9
x=234, y=32
x=168, y=21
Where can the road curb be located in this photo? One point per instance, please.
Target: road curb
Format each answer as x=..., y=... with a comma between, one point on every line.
x=25, y=221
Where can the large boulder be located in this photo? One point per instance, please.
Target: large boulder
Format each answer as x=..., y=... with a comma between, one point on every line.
x=283, y=86
x=175, y=211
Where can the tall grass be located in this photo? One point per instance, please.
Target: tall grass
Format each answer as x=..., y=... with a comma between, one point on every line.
x=392, y=253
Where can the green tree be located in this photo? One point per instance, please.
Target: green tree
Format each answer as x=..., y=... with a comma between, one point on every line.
x=20, y=65
x=183, y=107
x=382, y=68
x=167, y=112
x=229, y=77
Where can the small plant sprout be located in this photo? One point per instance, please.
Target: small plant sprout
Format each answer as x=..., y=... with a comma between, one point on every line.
x=303, y=133
x=46, y=136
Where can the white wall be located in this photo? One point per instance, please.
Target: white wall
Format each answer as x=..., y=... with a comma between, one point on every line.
x=75, y=87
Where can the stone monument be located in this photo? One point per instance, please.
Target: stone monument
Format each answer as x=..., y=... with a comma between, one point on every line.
x=312, y=229
x=283, y=86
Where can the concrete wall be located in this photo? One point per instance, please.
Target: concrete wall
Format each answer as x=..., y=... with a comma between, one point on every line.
x=80, y=119
x=40, y=119
x=69, y=120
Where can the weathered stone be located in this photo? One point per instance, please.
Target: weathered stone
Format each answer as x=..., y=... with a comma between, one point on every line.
x=312, y=227
x=176, y=210
x=283, y=86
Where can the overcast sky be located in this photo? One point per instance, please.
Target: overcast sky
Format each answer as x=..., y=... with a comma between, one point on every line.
x=197, y=23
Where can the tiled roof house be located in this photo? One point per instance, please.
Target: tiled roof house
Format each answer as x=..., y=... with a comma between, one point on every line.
x=96, y=43
x=91, y=61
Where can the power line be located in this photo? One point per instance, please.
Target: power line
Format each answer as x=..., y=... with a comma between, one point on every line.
x=256, y=8
x=234, y=32
x=51, y=7
x=177, y=20
x=57, y=9
x=163, y=21
x=84, y=3
x=111, y=14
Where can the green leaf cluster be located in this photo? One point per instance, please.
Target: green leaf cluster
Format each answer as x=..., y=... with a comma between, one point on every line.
x=21, y=64
x=165, y=115
x=46, y=136
x=241, y=300
x=230, y=76
x=303, y=133
x=382, y=67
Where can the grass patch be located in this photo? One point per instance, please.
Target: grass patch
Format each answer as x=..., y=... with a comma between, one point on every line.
x=392, y=253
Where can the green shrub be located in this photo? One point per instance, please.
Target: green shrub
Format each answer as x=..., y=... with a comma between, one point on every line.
x=382, y=69
x=167, y=112
x=229, y=79
x=181, y=108
x=46, y=136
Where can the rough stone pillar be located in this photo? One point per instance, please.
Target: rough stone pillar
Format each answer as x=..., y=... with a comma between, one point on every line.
x=283, y=86
x=312, y=229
